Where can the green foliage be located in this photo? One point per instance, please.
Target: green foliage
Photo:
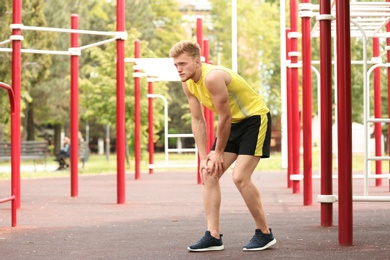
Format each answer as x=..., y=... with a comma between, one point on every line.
x=5, y=68
x=167, y=24
x=156, y=23
x=35, y=67
x=98, y=91
x=258, y=44
x=97, y=95
x=5, y=32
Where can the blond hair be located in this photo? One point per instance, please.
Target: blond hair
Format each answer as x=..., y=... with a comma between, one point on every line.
x=192, y=49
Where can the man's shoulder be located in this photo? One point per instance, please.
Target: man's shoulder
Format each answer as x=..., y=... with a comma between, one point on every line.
x=208, y=66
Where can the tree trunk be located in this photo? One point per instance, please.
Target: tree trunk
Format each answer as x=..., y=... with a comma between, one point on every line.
x=1, y=132
x=57, y=138
x=30, y=127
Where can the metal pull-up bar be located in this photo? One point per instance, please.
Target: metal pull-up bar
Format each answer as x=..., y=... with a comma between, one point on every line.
x=120, y=37
x=14, y=180
x=71, y=51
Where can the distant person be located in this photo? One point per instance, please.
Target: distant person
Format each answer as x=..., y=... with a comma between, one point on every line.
x=83, y=149
x=80, y=137
x=243, y=137
x=63, y=155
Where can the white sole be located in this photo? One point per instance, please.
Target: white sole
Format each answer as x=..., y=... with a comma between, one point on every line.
x=271, y=243
x=211, y=248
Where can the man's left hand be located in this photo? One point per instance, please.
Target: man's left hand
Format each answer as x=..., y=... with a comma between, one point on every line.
x=215, y=164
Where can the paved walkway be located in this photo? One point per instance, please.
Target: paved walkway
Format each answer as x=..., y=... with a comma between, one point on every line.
x=163, y=214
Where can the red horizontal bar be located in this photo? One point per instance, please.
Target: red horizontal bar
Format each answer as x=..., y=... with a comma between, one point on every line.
x=7, y=199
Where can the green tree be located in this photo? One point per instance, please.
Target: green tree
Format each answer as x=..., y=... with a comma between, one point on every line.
x=35, y=67
x=93, y=15
x=258, y=44
x=98, y=83
x=143, y=21
x=167, y=23
x=169, y=30
x=5, y=72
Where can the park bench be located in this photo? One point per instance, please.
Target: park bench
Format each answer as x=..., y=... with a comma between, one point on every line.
x=29, y=150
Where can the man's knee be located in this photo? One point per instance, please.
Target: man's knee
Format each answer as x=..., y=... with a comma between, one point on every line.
x=240, y=181
x=210, y=180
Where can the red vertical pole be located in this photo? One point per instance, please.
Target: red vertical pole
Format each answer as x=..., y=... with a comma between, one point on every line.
x=207, y=112
x=198, y=176
x=206, y=50
x=296, y=126
x=210, y=116
x=388, y=86
x=120, y=103
x=74, y=108
x=290, y=160
x=14, y=183
x=377, y=111
x=137, y=115
x=16, y=85
x=199, y=38
x=326, y=112
x=307, y=108
x=150, y=130
x=199, y=34
x=13, y=179
x=344, y=115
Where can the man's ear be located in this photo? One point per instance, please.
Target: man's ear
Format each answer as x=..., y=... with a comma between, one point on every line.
x=198, y=62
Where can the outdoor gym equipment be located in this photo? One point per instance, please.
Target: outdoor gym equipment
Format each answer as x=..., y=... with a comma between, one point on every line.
x=355, y=19
x=14, y=185
x=162, y=69
x=16, y=39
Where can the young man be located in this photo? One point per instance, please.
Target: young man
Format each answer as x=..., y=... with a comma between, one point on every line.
x=243, y=136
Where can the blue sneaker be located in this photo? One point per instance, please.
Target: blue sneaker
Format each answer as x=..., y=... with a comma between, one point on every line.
x=260, y=241
x=207, y=243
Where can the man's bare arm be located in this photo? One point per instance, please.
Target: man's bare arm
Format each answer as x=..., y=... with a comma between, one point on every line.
x=216, y=83
x=198, y=123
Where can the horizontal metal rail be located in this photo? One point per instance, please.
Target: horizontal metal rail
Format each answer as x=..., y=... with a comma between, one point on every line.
x=63, y=30
x=334, y=198
x=167, y=150
x=5, y=42
x=299, y=177
x=7, y=199
x=37, y=51
x=182, y=150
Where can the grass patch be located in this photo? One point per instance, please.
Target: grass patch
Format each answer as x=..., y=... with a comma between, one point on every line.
x=100, y=164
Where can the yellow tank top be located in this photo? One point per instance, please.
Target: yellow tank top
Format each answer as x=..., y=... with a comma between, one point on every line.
x=243, y=99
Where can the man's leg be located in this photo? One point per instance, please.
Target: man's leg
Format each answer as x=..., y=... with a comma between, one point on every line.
x=212, y=201
x=242, y=173
x=212, y=196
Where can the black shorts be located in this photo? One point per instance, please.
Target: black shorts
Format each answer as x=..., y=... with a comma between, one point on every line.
x=251, y=136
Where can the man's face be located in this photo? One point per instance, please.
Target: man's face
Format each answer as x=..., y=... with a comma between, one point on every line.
x=186, y=66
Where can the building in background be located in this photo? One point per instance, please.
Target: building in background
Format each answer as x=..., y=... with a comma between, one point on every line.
x=195, y=5
x=192, y=10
